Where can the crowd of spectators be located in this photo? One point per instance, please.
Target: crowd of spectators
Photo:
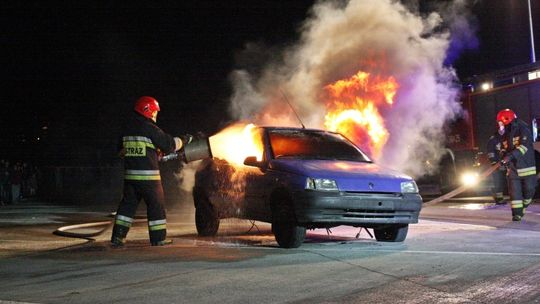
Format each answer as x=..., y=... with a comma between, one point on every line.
x=18, y=181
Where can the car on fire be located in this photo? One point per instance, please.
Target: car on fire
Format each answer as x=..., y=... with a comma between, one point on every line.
x=305, y=179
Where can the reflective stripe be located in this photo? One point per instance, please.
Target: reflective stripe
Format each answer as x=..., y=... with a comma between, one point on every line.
x=491, y=154
x=526, y=171
x=123, y=220
x=522, y=149
x=157, y=222
x=137, y=138
x=141, y=178
x=122, y=223
x=130, y=140
x=157, y=225
x=142, y=172
x=527, y=202
x=142, y=175
x=517, y=204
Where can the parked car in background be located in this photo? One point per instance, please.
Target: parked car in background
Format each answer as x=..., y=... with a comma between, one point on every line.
x=306, y=179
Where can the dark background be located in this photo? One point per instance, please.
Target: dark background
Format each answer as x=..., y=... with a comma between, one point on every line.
x=72, y=70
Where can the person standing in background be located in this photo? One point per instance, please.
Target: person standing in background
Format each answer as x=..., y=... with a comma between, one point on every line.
x=494, y=153
x=16, y=181
x=520, y=162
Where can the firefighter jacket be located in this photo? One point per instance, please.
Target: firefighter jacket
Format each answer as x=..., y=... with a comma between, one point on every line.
x=494, y=148
x=140, y=145
x=517, y=141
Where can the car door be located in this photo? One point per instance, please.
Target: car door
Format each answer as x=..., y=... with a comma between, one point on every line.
x=258, y=184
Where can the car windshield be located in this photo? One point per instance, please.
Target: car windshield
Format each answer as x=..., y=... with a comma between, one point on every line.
x=309, y=144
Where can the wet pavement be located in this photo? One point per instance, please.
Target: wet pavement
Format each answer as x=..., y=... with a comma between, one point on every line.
x=461, y=251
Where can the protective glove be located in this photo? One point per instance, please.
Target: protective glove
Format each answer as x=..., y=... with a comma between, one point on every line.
x=186, y=139
x=506, y=160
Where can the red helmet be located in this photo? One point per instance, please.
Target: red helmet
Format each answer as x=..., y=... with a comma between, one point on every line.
x=506, y=116
x=147, y=106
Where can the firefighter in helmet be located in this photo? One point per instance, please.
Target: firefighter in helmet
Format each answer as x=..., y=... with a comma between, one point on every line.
x=519, y=161
x=495, y=152
x=140, y=145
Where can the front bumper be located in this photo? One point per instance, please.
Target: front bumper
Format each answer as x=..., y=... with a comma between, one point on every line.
x=323, y=209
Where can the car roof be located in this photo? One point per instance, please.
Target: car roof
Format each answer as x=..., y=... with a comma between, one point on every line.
x=271, y=128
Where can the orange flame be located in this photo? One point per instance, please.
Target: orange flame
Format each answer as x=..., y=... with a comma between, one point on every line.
x=235, y=143
x=353, y=109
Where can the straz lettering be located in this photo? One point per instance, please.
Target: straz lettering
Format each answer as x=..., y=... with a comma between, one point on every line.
x=134, y=149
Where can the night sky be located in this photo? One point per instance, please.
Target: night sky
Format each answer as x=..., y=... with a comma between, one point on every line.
x=73, y=69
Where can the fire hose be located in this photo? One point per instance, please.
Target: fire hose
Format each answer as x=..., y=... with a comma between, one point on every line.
x=461, y=189
x=66, y=230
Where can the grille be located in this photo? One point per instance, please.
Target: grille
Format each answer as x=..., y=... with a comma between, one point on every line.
x=375, y=194
x=363, y=213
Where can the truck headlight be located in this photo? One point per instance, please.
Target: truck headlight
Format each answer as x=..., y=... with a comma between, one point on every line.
x=469, y=179
x=409, y=187
x=321, y=184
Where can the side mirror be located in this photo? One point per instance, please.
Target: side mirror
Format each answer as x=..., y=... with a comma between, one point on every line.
x=253, y=162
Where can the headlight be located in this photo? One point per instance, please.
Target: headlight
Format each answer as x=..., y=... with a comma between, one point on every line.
x=321, y=184
x=409, y=187
x=469, y=178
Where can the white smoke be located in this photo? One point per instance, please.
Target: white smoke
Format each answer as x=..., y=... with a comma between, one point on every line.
x=186, y=177
x=185, y=180
x=377, y=36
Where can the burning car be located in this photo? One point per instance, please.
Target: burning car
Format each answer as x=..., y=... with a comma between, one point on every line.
x=302, y=179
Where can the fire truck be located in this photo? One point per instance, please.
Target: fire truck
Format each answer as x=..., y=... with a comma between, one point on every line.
x=482, y=97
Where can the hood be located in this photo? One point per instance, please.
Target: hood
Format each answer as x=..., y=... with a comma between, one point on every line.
x=349, y=175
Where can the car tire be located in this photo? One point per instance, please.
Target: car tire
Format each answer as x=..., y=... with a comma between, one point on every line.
x=286, y=230
x=206, y=219
x=393, y=233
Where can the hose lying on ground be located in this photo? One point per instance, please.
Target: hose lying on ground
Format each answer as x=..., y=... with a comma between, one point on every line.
x=461, y=189
x=65, y=230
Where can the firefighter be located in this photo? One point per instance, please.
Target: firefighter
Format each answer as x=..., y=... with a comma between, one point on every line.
x=140, y=145
x=519, y=160
x=495, y=152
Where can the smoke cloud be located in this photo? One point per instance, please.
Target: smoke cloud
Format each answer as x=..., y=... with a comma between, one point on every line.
x=381, y=37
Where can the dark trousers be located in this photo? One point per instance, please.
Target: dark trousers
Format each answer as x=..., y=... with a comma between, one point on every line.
x=152, y=194
x=499, y=183
x=521, y=192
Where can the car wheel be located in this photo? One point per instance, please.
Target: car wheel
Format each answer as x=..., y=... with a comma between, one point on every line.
x=286, y=230
x=393, y=233
x=206, y=219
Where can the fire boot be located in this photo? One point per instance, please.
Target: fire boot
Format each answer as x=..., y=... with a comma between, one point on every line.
x=157, y=230
x=517, y=210
x=499, y=198
x=162, y=243
x=118, y=237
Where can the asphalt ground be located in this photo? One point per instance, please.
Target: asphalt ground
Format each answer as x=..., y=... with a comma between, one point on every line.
x=465, y=250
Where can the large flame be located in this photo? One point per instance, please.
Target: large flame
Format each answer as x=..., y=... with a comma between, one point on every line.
x=235, y=143
x=353, y=109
